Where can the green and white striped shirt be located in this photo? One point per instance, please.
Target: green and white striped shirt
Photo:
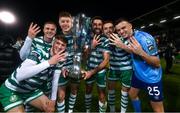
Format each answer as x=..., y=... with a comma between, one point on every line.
x=120, y=60
x=36, y=81
x=96, y=56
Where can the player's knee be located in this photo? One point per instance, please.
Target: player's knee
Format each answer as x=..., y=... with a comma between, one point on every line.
x=88, y=89
x=74, y=91
x=133, y=95
x=125, y=89
x=157, y=106
x=61, y=97
x=102, y=97
x=103, y=100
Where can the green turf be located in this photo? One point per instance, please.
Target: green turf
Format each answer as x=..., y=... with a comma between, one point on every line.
x=171, y=89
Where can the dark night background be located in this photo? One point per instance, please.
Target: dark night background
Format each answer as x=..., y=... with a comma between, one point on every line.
x=139, y=12
x=37, y=11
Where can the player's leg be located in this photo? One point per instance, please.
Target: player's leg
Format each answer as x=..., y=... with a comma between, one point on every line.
x=133, y=93
x=112, y=78
x=61, y=99
x=101, y=84
x=29, y=108
x=46, y=88
x=40, y=101
x=18, y=109
x=10, y=100
x=88, y=93
x=155, y=93
x=63, y=82
x=157, y=107
x=73, y=94
x=126, y=77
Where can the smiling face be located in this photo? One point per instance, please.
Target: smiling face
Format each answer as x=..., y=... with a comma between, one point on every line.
x=97, y=25
x=108, y=28
x=65, y=24
x=124, y=29
x=59, y=45
x=49, y=31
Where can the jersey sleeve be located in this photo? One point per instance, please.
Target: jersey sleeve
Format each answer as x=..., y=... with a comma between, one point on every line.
x=36, y=55
x=149, y=45
x=26, y=48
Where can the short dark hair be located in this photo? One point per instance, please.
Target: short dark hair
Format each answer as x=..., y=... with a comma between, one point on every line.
x=120, y=20
x=62, y=38
x=64, y=14
x=50, y=22
x=97, y=18
x=108, y=21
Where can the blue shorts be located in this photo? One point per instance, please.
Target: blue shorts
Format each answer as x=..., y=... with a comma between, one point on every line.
x=154, y=90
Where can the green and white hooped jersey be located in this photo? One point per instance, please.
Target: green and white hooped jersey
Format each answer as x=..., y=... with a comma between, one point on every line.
x=70, y=51
x=120, y=60
x=40, y=43
x=96, y=56
x=45, y=47
x=34, y=82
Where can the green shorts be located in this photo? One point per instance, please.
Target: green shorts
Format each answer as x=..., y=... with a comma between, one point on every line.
x=100, y=78
x=10, y=99
x=123, y=76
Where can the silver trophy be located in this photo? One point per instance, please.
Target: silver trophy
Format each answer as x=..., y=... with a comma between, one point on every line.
x=80, y=30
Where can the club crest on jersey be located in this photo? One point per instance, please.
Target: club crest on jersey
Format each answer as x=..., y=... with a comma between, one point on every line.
x=13, y=98
x=148, y=42
x=150, y=45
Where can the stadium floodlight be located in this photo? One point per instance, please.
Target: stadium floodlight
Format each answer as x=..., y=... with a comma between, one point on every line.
x=7, y=17
x=176, y=17
x=151, y=24
x=142, y=27
x=83, y=15
x=163, y=21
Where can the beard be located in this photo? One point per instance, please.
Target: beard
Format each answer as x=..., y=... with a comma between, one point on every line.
x=97, y=31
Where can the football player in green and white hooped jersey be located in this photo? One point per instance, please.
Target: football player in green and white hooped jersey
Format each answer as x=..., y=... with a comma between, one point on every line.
x=98, y=59
x=120, y=68
x=41, y=42
x=24, y=84
x=66, y=23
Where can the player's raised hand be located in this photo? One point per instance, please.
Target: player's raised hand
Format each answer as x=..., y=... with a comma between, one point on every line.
x=61, y=56
x=96, y=41
x=33, y=30
x=115, y=40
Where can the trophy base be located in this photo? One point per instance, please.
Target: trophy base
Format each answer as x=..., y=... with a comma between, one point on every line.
x=75, y=73
x=75, y=76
